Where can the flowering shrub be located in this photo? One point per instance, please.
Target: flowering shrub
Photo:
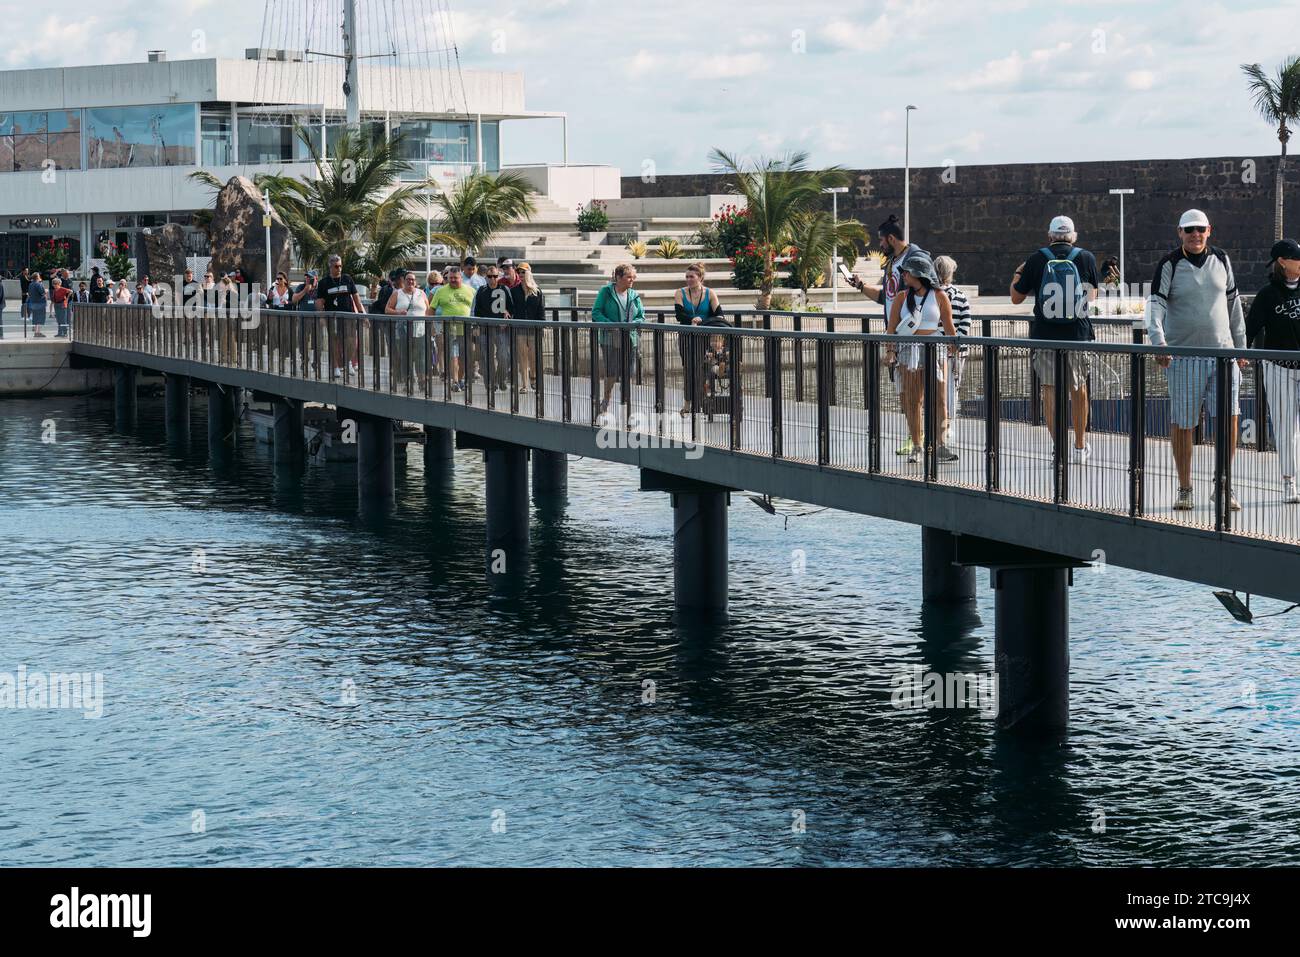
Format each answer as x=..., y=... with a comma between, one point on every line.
x=50, y=255
x=593, y=218
x=117, y=260
x=748, y=266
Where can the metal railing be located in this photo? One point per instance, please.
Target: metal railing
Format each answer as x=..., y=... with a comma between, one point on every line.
x=973, y=408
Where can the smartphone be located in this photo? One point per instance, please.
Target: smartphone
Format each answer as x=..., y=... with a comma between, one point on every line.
x=847, y=273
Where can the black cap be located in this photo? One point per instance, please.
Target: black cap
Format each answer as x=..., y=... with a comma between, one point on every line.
x=1285, y=249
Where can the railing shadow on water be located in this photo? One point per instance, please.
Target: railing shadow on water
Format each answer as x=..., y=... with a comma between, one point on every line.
x=823, y=389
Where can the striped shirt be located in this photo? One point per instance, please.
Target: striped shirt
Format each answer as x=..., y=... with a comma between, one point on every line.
x=960, y=313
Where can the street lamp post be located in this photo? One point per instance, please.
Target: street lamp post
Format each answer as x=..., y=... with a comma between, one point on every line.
x=907, y=175
x=1123, y=290
x=835, y=248
x=428, y=236
x=266, y=225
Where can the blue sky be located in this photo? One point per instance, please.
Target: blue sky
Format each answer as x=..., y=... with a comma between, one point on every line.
x=996, y=81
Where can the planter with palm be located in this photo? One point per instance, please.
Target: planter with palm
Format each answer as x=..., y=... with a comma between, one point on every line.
x=777, y=192
x=1277, y=98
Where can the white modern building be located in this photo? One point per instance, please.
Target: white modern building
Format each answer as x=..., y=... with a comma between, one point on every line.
x=96, y=153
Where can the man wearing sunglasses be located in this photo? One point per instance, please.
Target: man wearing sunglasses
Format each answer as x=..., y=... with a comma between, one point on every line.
x=1194, y=303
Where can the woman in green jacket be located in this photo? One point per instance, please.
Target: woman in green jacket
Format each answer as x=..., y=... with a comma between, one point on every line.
x=617, y=301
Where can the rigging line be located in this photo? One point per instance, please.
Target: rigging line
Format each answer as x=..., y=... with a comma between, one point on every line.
x=451, y=32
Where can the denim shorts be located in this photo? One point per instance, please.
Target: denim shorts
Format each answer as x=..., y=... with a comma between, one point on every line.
x=1193, y=380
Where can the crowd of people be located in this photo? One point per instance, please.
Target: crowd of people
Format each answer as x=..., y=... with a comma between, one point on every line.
x=1194, y=303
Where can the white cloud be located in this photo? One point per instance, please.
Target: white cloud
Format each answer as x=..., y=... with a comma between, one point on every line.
x=725, y=66
x=1010, y=71
x=860, y=37
x=1139, y=79
x=641, y=63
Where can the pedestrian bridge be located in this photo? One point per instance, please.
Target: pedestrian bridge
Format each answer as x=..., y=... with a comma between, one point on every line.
x=803, y=410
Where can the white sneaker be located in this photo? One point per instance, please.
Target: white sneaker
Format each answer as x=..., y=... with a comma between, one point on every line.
x=338, y=372
x=1081, y=455
x=1289, y=494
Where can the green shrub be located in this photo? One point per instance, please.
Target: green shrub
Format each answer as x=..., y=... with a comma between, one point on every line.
x=592, y=218
x=669, y=249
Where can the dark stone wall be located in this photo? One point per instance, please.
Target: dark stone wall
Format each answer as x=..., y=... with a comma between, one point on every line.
x=990, y=217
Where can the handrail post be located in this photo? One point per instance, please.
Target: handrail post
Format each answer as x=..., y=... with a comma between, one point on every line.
x=657, y=346
x=823, y=403
x=487, y=349
x=1261, y=409
x=992, y=419
x=595, y=389
x=512, y=387
x=539, y=369
x=830, y=327
x=872, y=399
x=733, y=386
x=566, y=375
x=768, y=381
x=866, y=376
x=776, y=392
x=1061, y=427
x=625, y=361
x=798, y=359
x=1137, y=434
x=1222, y=448
x=930, y=419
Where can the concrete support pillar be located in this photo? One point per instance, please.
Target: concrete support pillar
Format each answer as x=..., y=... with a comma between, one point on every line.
x=550, y=473
x=289, y=451
x=177, y=407
x=375, y=478
x=1032, y=654
x=941, y=579
x=700, y=552
x=222, y=419
x=124, y=397
x=507, y=498
x=439, y=445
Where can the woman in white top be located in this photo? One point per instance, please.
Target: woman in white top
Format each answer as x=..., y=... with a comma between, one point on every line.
x=123, y=295
x=409, y=300
x=922, y=309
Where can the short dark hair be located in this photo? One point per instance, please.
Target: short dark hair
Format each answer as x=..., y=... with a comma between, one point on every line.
x=891, y=227
x=469, y=260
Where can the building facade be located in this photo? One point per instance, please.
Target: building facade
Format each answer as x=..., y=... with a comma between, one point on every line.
x=96, y=154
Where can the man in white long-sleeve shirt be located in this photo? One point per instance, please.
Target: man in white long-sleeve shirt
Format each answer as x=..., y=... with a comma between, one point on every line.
x=1194, y=303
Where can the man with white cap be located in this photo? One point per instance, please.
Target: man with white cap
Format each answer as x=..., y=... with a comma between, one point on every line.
x=1063, y=280
x=1194, y=303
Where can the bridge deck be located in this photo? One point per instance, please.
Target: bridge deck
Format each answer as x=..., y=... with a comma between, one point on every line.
x=825, y=449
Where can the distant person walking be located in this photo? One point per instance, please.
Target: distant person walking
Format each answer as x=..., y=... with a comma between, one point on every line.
x=921, y=309
x=534, y=310
x=338, y=293
x=945, y=267
x=36, y=301
x=890, y=236
x=409, y=301
x=617, y=301
x=24, y=285
x=1274, y=323
x=1062, y=278
x=473, y=276
x=454, y=298
x=693, y=305
x=60, y=295
x=99, y=291
x=494, y=301
x=1194, y=304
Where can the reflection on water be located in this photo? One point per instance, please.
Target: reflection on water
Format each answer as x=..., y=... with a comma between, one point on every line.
x=334, y=687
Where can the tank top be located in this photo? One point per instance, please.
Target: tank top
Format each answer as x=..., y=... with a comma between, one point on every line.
x=922, y=317
x=698, y=310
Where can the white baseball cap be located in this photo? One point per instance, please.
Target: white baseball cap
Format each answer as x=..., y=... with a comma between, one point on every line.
x=1061, y=224
x=1193, y=217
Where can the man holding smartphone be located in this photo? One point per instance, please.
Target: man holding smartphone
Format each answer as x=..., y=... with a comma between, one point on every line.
x=890, y=236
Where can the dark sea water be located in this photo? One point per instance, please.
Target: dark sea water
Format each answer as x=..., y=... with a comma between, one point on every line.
x=317, y=686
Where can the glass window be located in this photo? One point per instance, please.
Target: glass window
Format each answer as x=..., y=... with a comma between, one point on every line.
x=125, y=221
x=29, y=122
x=29, y=152
x=218, y=139
x=263, y=142
x=64, y=121
x=492, y=146
x=121, y=137
x=64, y=149
x=6, y=154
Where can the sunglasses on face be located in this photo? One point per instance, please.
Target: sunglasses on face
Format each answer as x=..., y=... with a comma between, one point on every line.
x=1195, y=229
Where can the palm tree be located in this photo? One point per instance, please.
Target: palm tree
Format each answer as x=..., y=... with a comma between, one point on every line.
x=776, y=192
x=1277, y=98
x=813, y=234
x=479, y=206
x=356, y=206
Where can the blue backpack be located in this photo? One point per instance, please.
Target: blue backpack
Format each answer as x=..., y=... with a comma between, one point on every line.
x=1060, y=292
